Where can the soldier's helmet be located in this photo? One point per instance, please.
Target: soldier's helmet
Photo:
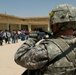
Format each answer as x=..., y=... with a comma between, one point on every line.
x=63, y=17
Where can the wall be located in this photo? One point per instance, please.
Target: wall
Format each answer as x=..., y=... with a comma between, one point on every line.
x=14, y=27
x=3, y=26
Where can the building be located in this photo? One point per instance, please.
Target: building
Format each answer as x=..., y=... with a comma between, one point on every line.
x=17, y=23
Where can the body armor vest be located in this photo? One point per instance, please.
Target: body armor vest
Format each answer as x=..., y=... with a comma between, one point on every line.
x=70, y=57
x=64, y=66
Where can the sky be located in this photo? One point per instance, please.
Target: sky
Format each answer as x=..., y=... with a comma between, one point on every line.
x=31, y=8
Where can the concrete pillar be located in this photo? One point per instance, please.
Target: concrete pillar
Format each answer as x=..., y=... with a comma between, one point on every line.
x=7, y=27
x=19, y=26
x=29, y=27
x=49, y=27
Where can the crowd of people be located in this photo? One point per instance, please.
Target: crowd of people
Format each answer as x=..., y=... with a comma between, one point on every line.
x=13, y=36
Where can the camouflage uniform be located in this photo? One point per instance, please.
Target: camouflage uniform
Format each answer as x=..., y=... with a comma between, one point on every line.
x=34, y=56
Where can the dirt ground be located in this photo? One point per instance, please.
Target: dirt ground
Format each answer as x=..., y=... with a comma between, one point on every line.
x=7, y=64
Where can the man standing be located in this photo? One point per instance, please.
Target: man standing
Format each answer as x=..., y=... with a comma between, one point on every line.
x=55, y=56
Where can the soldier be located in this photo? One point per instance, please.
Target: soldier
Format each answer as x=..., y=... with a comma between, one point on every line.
x=55, y=56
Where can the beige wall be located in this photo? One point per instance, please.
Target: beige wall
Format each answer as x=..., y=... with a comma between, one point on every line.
x=3, y=26
x=14, y=27
x=14, y=23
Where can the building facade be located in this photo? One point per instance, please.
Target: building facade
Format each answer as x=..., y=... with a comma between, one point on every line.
x=10, y=23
